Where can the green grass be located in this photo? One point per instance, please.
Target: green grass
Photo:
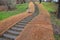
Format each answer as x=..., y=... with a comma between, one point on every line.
x=49, y=6
x=19, y=8
x=57, y=37
x=52, y=7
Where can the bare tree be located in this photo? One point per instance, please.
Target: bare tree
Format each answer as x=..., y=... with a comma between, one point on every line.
x=11, y=4
x=58, y=14
x=19, y=2
x=0, y=2
x=40, y=1
x=24, y=1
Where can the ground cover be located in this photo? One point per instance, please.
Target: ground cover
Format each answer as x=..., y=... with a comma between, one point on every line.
x=52, y=8
x=19, y=8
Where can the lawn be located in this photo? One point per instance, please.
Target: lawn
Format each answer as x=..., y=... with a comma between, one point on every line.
x=52, y=7
x=19, y=8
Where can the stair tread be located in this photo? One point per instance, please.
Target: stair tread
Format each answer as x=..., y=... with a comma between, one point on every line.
x=19, y=25
x=9, y=36
x=2, y=39
x=16, y=28
x=13, y=32
x=24, y=21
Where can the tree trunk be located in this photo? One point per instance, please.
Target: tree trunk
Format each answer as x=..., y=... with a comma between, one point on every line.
x=40, y=1
x=50, y=1
x=58, y=14
x=11, y=4
x=0, y=2
x=24, y=1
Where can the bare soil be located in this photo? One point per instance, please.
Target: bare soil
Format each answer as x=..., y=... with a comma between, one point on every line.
x=9, y=22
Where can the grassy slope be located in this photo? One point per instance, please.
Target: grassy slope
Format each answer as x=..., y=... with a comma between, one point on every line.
x=51, y=7
x=20, y=8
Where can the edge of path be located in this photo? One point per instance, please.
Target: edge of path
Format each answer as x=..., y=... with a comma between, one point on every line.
x=26, y=29
x=9, y=22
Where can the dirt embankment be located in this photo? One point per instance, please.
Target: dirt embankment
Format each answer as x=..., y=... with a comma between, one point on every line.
x=9, y=22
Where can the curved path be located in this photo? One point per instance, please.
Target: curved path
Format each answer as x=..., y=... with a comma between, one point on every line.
x=13, y=32
x=39, y=28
